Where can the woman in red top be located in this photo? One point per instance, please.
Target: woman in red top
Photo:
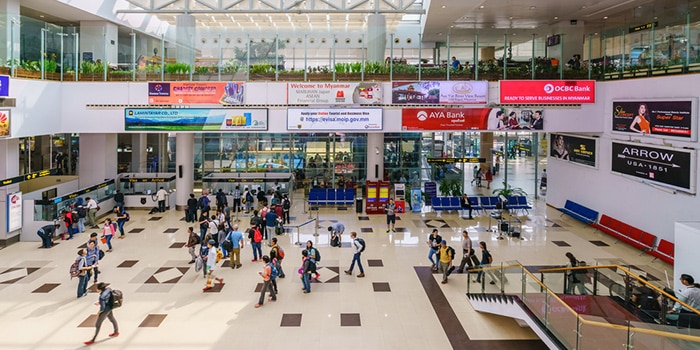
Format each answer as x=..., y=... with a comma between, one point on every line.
x=513, y=121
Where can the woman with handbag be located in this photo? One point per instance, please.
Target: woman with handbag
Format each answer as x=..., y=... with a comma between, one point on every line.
x=107, y=233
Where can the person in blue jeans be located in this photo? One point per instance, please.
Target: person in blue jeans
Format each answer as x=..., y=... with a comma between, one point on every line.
x=306, y=271
x=84, y=273
x=255, y=236
x=434, y=240
x=357, y=247
x=121, y=220
x=46, y=233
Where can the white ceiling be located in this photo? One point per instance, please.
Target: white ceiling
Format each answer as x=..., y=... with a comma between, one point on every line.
x=462, y=19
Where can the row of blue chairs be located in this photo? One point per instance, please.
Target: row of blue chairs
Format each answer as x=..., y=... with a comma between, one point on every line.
x=481, y=203
x=332, y=196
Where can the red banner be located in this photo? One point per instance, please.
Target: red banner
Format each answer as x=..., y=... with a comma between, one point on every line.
x=548, y=91
x=444, y=119
x=196, y=92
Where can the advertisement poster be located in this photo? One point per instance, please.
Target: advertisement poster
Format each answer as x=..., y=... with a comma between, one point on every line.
x=366, y=119
x=574, y=149
x=4, y=86
x=655, y=118
x=416, y=200
x=439, y=92
x=547, y=91
x=417, y=119
x=4, y=122
x=196, y=92
x=663, y=165
x=14, y=211
x=195, y=119
x=337, y=93
x=516, y=119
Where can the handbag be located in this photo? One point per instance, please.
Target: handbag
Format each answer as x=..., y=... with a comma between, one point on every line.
x=104, y=240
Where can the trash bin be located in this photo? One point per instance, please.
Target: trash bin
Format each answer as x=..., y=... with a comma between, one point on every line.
x=358, y=205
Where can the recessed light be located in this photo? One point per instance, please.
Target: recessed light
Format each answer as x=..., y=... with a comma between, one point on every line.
x=42, y=16
x=606, y=17
x=555, y=17
x=443, y=6
x=482, y=6
x=656, y=17
x=439, y=33
x=583, y=7
x=532, y=7
x=511, y=17
x=514, y=34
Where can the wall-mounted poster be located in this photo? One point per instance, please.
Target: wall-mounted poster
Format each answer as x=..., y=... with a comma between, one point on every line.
x=439, y=92
x=659, y=118
x=4, y=122
x=14, y=211
x=415, y=119
x=547, y=91
x=195, y=119
x=4, y=86
x=574, y=149
x=658, y=164
x=366, y=119
x=335, y=93
x=516, y=119
x=196, y=92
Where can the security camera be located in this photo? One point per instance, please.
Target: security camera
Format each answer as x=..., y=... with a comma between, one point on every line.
x=573, y=22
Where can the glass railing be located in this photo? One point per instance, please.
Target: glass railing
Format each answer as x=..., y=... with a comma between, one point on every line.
x=607, y=317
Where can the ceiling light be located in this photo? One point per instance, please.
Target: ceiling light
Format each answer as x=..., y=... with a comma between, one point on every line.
x=606, y=17
x=533, y=8
x=555, y=17
x=42, y=16
x=439, y=33
x=482, y=6
x=511, y=17
x=443, y=6
x=656, y=17
x=583, y=7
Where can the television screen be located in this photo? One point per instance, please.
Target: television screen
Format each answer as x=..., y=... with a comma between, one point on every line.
x=553, y=40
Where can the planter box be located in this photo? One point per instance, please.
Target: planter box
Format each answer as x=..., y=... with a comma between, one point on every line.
x=52, y=76
x=177, y=77
x=4, y=70
x=91, y=77
x=27, y=74
x=119, y=77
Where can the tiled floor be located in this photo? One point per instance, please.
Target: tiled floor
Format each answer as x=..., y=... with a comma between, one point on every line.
x=393, y=307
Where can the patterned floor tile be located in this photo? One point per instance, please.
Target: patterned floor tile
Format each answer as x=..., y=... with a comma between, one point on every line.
x=88, y=322
x=381, y=287
x=177, y=245
x=46, y=287
x=155, y=218
x=350, y=320
x=375, y=263
x=127, y=263
x=291, y=320
x=136, y=230
x=363, y=218
x=171, y=230
x=600, y=243
x=366, y=230
x=561, y=244
x=153, y=320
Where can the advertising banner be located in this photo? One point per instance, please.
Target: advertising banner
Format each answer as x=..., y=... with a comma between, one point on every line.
x=672, y=118
x=337, y=93
x=195, y=119
x=196, y=92
x=14, y=211
x=547, y=91
x=440, y=92
x=574, y=149
x=657, y=164
x=4, y=86
x=4, y=123
x=416, y=119
x=366, y=119
x=516, y=119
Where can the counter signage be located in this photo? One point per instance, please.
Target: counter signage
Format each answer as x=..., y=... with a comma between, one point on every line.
x=150, y=179
x=310, y=93
x=547, y=91
x=439, y=92
x=365, y=119
x=14, y=211
x=18, y=179
x=455, y=160
x=196, y=92
x=195, y=119
x=4, y=86
x=662, y=165
x=414, y=119
x=79, y=193
x=672, y=118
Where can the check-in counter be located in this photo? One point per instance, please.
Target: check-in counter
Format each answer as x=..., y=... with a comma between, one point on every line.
x=140, y=189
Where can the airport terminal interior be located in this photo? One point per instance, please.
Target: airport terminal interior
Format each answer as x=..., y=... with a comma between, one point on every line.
x=588, y=215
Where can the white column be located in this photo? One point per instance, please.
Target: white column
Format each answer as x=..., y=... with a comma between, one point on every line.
x=9, y=158
x=139, y=156
x=184, y=169
x=98, y=158
x=9, y=11
x=376, y=38
x=92, y=39
x=185, y=34
x=375, y=156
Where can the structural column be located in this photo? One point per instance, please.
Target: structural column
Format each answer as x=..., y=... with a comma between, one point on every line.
x=9, y=167
x=486, y=143
x=184, y=169
x=376, y=38
x=139, y=156
x=375, y=156
x=98, y=158
x=185, y=34
x=9, y=12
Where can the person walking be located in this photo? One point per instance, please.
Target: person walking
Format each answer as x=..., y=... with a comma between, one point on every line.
x=119, y=198
x=445, y=256
x=286, y=206
x=211, y=266
x=306, y=270
x=192, y=204
x=236, y=238
x=336, y=229
x=203, y=226
x=160, y=196
x=192, y=241
x=237, y=200
x=276, y=256
x=92, y=212
x=46, y=233
x=358, y=246
x=92, y=258
x=266, y=275
x=434, y=240
x=574, y=278
x=270, y=221
x=467, y=252
x=83, y=277
x=390, y=210
x=122, y=217
x=314, y=257
x=108, y=232
x=106, y=303
x=256, y=238
x=486, y=261
x=689, y=294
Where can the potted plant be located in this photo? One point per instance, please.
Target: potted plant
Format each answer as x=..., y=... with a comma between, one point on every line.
x=509, y=191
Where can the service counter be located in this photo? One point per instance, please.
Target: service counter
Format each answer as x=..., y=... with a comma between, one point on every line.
x=140, y=189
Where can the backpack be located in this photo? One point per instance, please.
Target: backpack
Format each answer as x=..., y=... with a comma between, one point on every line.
x=318, y=255
x=74, y=269
x=581, y=271
x=116, y=299
x=204, y=202
x=82, y=212
x=68, y=219
x=227, y=245
x=128, y=217
x=100, y=254
x=273, y=271
x=451, y=252
x=362, y=242
x=221, y=198
x=280, y=253
x=335, y=241
x=248, y=197
x=257, y=236
x=254, y=221
x=199, y=239
x=285, y=204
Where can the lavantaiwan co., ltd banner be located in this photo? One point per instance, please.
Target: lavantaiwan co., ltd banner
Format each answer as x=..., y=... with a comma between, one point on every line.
x=365, y=119
x=424, y=119
x=547, y=91
x=196, y=92
x=440, y=92
x=195, y=119
x=672, y=118
x=667, y=166
x=335, y=93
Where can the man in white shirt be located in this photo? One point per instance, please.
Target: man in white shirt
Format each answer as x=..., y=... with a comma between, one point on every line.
x=160, y=195
x=92, y=212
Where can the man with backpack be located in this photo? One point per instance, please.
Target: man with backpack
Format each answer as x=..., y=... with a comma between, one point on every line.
x=256, y=238
x=107, y=305
x=276, y=256
x=267, y=275
x=445, y=256
x=314, y=257
x=80, y=269
x=204, y=202
x=46, y=233
x=286, y=206
x=247, y=200
x=221, y=200
x=192, y=242
x=336, y=229
x=236, y=238
x=358, y=245
x=82, y=216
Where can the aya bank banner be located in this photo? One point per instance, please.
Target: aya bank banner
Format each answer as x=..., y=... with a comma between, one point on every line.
x=547, y=91
x=417, y=119
x=335, y=119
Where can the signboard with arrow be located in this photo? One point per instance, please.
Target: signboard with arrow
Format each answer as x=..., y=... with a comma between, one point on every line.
x=669, y=167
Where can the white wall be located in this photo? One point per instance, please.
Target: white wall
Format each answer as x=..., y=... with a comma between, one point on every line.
x=648, y=208
x=38, y=108
x=29, y=226
x=687, y=236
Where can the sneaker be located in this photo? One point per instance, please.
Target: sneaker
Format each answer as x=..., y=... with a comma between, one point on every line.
x=393, y=230
x=361, y=275
x=492, y=282
x=281, y=276
x=220, y=280
x=258, y=305
x=387, y=230
x=206, y=288
x=254, y=260
x=89, y=342
x=115, y=334
x=270, y=299
x=348, y=272
x=444, y=282
x=306, y=291
x=191, y=262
